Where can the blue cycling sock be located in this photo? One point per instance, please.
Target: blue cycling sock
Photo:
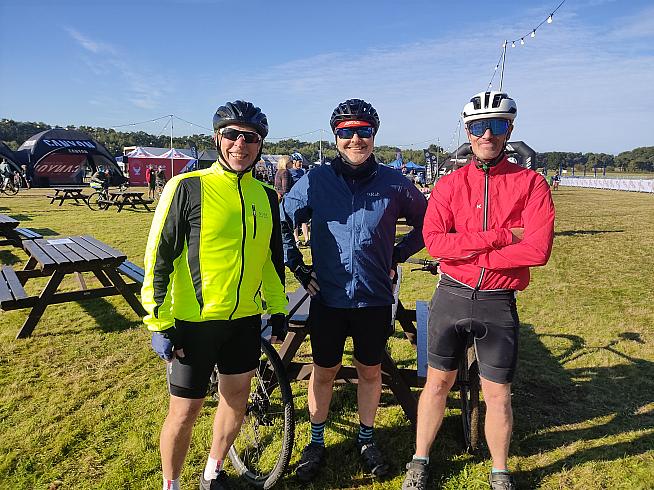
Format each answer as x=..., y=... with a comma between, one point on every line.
x=495, y=470
x=318, y=433
x=365, y=434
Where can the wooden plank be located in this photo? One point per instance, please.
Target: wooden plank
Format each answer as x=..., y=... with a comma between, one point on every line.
x=67, y=252
x=5, y=293
x=51, y=251
x=14, y=284
x=110, y=250
x=36, y=252
x=82, y=252
x=28, y=234
x=98, y=252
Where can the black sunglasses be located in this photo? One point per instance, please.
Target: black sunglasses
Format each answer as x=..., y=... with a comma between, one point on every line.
x=497, y=126
x=233, y=134
x=361, y=132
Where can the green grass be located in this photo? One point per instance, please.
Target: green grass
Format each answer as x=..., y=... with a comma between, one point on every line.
x=82, y=400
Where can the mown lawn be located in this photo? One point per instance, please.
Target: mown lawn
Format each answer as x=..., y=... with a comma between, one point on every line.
x=82, y=400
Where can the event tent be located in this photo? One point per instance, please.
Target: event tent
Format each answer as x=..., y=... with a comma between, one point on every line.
x=6, y=153
x=63, y=156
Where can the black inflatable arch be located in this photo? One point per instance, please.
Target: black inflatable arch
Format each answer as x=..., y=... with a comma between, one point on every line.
x=61, y=156
x=519, y=151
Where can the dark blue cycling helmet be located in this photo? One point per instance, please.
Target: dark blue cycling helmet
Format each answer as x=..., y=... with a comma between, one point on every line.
x=241, y=112
x=354, y=110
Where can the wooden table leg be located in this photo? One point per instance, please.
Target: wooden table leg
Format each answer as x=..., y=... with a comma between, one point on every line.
x=102, y=277
x=43, y=301
x=124, y=289
x=400, y=388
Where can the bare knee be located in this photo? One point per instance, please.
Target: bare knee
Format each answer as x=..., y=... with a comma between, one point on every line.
x=368, y=374
x=183, y=412
x=439, y=383
x=324, y=376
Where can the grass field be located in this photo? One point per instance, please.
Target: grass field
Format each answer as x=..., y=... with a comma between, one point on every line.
x=82, y=400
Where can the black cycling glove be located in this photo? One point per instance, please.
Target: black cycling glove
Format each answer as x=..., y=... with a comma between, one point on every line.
x=279, y=326
x=303, y=274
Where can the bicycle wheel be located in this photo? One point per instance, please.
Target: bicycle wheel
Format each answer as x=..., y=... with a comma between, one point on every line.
x=468, y=378
x=11, y=189
x=262, y=449
x=93, y=201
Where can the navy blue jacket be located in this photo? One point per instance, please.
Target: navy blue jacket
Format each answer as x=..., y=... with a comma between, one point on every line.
x=353, y=232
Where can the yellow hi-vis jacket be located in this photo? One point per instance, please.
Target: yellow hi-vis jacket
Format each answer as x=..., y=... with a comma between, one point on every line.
x=214, y=248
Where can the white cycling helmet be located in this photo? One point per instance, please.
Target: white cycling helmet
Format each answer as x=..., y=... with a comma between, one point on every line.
x=486, y=105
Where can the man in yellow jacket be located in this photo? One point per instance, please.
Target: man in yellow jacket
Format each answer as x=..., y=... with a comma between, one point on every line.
x=213, y=251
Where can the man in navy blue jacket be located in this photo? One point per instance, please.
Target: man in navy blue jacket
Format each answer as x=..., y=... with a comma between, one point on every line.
x=353, y=204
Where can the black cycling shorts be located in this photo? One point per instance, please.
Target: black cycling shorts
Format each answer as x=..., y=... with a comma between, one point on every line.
x=234, y=345
x=152, y=184
x=369, y=328
x=495, y=324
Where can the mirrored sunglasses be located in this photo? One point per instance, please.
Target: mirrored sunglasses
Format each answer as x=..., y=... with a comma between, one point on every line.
x=233, y=134
x=361, y=132
x=497, y=126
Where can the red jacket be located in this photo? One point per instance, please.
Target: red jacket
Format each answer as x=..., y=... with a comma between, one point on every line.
x=468, y=221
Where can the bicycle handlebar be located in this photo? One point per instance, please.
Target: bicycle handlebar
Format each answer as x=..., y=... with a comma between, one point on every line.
x=425, y=265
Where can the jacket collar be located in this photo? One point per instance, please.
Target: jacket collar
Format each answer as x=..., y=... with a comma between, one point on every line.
x=498, y=168
x=217, y=168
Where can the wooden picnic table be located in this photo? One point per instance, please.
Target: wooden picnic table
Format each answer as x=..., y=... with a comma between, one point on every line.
x=124, y=198
x=399, y=380
x=56, y=258
x=67, y=193
x=12, y=233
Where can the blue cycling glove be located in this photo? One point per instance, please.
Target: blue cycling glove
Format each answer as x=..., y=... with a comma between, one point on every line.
x=163, y=343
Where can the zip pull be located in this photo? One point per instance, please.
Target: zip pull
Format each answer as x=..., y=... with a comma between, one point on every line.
x=254, y=215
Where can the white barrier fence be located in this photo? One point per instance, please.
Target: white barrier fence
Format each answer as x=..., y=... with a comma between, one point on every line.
x=633, y=185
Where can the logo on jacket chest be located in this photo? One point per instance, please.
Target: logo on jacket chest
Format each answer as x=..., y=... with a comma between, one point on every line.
x=478, y=206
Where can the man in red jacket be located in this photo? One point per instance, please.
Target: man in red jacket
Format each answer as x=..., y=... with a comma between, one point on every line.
x=487, y=223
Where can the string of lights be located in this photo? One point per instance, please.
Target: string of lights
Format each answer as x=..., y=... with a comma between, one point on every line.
x=521, y=39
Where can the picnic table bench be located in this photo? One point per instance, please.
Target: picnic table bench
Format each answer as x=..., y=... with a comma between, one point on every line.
x=59, y=257
x=62, y=194
x=124, y=198
x=13, y=234
x=398, y=380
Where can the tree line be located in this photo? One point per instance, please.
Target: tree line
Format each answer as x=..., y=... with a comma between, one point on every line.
x=14, y=133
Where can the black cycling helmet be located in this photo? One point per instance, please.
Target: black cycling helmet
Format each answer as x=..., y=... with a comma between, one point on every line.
x=241, y=112
x=354, y=110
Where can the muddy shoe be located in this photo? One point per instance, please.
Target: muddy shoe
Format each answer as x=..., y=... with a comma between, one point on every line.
x=373, y=459
x=417, y=474
x=501, y=481
x=221, y=482
x=310, y=462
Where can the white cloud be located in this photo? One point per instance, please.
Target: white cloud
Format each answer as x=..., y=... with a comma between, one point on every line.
x=131, y=81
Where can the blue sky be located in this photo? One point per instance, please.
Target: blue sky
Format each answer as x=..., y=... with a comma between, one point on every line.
x=584, y=83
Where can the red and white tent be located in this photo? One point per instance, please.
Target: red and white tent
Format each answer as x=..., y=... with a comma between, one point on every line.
x=172, y=161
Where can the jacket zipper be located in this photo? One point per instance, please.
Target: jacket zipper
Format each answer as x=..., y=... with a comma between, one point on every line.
x=485, y=224
x=254, y=215
x=240, y=277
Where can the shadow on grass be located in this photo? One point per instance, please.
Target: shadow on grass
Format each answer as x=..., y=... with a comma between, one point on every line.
x=556, y=407
x=7, y=257
x=585, y=232
x=107, y=317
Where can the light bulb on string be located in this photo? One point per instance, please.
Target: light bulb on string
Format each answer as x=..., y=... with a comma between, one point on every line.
x=533, y=33
x=549, y=19
x=522, y=41
x=513, y=44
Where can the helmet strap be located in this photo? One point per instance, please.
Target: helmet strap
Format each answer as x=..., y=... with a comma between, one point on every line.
x=485, y=165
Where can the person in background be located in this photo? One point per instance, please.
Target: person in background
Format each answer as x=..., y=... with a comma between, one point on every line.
x=283, y=178
x=355, y=204
x=150, y=180
x=296, y=173
x=214, y=254
x=6, y=173
x=487, y=223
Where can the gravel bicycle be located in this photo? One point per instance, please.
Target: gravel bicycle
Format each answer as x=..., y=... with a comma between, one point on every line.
x=467, y=379
x=262, y=450
x=9, y=188
x=101, y=194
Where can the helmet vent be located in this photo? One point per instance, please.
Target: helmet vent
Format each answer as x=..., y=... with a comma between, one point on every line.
x=476, y=101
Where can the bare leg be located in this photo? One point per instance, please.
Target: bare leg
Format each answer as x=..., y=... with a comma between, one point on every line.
x=321, y=386
x=431, y=408
x=234, y=390
x=499, y=420
x=368, y=391
x=176, y=434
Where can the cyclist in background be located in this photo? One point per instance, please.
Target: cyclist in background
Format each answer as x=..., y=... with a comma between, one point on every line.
x=101, y=179
x=487, y=223
x=355, y=203
x=214, y=249
x=160, y=177
x=6, y=172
